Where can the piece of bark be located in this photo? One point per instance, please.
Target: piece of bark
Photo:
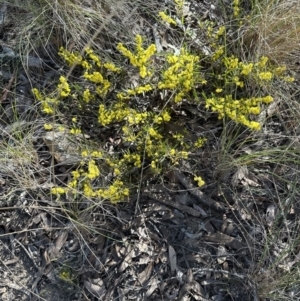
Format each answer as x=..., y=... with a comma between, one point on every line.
x=198, y=194
x=163, y=197
x=224, y=239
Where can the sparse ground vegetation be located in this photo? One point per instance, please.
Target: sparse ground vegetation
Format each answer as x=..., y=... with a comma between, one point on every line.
x=149, y=151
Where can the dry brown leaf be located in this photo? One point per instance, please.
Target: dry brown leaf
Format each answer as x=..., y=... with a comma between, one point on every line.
x=61, y=239
x=186, y=9
x=153, y=283
x=172, y=259
x=191, y=287
x=6, y=89
x=243, y=176
x=222, y=254
x=42, y=269
x=97, y=288
x=196, y=290
x=121, y=293
x=249, y=182
x=271, y=214
x=189, y=276
x=54, y=249
x=145, y=274
x=202, y=211
x=241, y=173
x=144, y=260
x=193, y=235
x=128, y=259
x=46, y=221
x=143, y=235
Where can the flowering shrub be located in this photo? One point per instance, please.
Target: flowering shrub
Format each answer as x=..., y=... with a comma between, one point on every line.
x=181, y=76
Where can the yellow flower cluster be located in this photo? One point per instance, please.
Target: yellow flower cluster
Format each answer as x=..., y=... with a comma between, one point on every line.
x=136, y=91
x=58, y=190
x=175, y=156
x=183, y=154
x=75, y=131
x=66, y=275
x=151, y=147
x=71, y=58
x=74, y=181
x=132, y=158
x=93, y=61
x=112, y=67
x=95, y=77
x=37, y=94
x=246, y=68
x=48, y=126
x=231, y=63
x=199, y=181
x=219, y=51
x=200, y=142
x=129, y=134
x=92, y=173
x=48, y=104
x=120, y=112
x=263, y=61
x=135, y=118
x=91, y=55
x=238, y=110
x=167, y=18
x=93, y=170
x=179, y=4
x=160, y=118
x=92, y=65
x=87, y=96
x=180, y=76
x=88, y=190
x=140, y=90
x=221, y=30
x=95, y=154
x=107, y=116
x=102, y=85
x=288, y=79
x=115, y=192
x=141, y=57
x=154, y=133
x=155, y=166
x=236, y=8
x=63, y=87
x=265, y=75
x=236, y=71
x=179, y=138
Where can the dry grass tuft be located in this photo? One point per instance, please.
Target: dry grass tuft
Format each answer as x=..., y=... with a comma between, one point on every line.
x=75, y=24
x=273, y=30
